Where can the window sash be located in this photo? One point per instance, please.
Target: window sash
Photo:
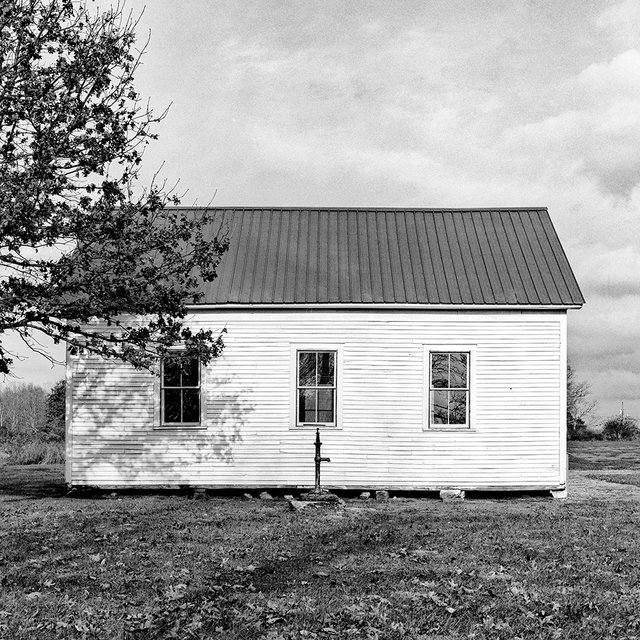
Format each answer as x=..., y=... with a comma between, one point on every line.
x=315, y=394
x=183, y=390
x=439, y=391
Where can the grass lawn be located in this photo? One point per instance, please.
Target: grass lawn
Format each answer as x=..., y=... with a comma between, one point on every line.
x=174, y=567
x=626, y=478
x=596, y=455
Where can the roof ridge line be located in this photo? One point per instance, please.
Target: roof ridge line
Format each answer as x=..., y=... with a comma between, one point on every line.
x=363, y=209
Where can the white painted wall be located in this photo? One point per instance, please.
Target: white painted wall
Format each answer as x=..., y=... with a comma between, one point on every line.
x=518, y=415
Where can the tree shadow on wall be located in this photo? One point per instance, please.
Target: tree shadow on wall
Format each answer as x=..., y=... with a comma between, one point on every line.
x=227, y=411
x=118, y=439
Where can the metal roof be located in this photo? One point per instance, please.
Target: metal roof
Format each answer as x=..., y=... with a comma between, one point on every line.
x=391, y=256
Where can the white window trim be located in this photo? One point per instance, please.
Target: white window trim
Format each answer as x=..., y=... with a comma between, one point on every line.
x=428, y=349
x=158, y=425
x=293, y=383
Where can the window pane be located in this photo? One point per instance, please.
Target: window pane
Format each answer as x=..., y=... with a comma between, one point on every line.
x=191, y=405
x=440, y=370
x=171, y=374
x=190, y=372
x=326, y=368
x=457, y=407
x=458, y=376
x=325, y=405
x=307, y=405
x=172, y=405
x=306, y=369
x=439, y=407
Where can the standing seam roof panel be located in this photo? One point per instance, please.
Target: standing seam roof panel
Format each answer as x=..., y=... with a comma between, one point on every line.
x=398, y=279
x=524, y=268
x=415, y=257
x=498, y=284
x=410, y=262
x=444, y=250
x=225, y=275
x=537, y=265
x=462, y=266
x=475, y=255
x=364, y=267
x=517, y=291
x=428, y=271
x=433, y=251
x=555, y=287
x=344, y=285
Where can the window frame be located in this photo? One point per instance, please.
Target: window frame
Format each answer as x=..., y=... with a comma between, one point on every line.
x=159, y=421
x=337, y=386
x=470, y=351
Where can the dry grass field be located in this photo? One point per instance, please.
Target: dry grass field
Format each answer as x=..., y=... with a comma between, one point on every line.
x=169, y=566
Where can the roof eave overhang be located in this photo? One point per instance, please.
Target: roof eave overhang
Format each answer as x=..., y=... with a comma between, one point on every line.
x=384, y=305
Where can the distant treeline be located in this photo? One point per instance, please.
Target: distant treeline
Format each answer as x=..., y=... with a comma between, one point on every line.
x=32, y=424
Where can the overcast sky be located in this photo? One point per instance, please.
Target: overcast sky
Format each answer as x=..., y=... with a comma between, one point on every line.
x=419, y=103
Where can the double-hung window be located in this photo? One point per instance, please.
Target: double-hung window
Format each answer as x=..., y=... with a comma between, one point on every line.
x=180, y=392
x=449, y=389
x=316, y=387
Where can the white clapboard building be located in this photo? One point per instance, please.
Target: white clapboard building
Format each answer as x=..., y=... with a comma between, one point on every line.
x=429, y=346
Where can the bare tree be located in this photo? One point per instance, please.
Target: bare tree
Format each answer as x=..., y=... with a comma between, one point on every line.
x=579, y=405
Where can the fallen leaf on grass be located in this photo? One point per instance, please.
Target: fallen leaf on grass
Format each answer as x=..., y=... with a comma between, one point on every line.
x=441, y=603
x=421, y=554
x=321, y=574
x=176, y=593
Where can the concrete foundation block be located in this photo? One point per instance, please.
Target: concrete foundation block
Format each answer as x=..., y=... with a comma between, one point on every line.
x=559, y=494
x=382, y=496
x=448, y=495
x=306, y=503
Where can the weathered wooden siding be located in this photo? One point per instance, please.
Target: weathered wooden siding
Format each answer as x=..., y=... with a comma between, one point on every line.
x=518, y=428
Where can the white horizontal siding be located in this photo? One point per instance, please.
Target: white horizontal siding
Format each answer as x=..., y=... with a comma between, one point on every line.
x=517, y=438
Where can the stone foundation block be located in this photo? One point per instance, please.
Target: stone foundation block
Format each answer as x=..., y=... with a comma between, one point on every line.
x=447, y=495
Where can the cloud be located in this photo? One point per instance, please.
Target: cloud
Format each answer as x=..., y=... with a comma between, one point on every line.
x=612, y=80
x=610, y=272
x=621, y=21
x=596, y=133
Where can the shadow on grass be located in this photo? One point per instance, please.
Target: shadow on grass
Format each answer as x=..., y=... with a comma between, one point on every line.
x=631, y=477
x=32, y=481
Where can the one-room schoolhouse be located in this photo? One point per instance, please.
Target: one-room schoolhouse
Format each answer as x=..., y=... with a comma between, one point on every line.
x=429, y=346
